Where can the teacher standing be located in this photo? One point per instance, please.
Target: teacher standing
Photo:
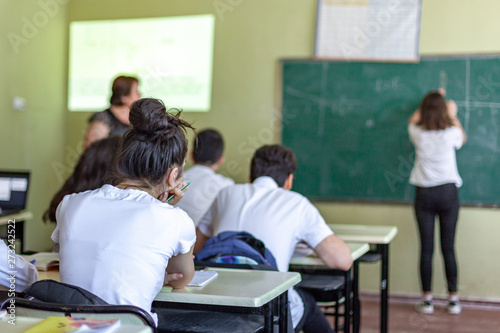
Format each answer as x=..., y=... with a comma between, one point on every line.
x=114, y=121
x=436, y=134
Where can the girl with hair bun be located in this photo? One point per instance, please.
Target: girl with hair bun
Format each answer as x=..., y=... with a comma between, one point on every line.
x=123, y=241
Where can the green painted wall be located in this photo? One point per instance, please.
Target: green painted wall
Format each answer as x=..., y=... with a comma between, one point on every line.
x=32, y=66
x=250, y=37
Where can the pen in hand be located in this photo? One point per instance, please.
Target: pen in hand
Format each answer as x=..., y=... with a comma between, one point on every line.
x=182, y=189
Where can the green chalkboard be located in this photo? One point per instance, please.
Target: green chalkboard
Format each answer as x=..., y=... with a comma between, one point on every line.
x=347, y=123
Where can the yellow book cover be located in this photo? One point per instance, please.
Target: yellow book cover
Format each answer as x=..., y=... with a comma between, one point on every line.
x=74, y=325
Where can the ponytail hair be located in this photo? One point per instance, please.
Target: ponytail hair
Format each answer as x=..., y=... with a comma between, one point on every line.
x=154, y=145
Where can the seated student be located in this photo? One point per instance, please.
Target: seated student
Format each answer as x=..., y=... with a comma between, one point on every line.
x=21, y=275
x=119, y=241
x=90, y=172
x=280, y=218
x=205, y=183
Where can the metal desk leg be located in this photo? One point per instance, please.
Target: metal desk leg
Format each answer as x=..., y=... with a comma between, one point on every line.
x=268, y=317
x=347, y=302
x=283, y=308
x=356, y=306
x=384, y=288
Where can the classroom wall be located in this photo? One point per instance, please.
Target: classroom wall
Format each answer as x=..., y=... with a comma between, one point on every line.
x=32, y=66
x=250, y=37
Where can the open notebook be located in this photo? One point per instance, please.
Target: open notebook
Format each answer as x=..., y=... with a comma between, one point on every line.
x=44, y=261
x=201, y=278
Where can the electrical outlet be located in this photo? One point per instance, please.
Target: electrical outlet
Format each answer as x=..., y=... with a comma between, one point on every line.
x=19, y=103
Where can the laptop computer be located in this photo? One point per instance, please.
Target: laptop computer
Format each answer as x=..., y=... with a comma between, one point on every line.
x=13, y=191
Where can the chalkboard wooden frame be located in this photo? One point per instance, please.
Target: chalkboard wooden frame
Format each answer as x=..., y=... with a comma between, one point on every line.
x=350, y=87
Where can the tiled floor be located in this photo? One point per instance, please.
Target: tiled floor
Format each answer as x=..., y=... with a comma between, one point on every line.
x=403, y=318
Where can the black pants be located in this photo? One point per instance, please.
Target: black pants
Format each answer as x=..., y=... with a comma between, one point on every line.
x=313, y=320
x=441, y=201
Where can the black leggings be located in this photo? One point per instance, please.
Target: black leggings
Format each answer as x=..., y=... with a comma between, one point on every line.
x=442, y=201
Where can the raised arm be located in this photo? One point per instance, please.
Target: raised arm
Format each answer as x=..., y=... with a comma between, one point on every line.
x=181, y=263
x=452, y=111
x=415, y=117
x=334, y=252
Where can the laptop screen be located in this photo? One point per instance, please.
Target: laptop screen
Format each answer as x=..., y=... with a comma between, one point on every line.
x=14, y=189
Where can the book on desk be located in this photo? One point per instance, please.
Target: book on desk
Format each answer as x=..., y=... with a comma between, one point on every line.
x=44, y=261
x=75, y=325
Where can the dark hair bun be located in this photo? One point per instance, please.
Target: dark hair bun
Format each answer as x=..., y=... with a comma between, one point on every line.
x=150, y=120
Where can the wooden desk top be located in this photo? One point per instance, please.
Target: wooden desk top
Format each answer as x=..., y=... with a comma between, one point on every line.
x=232, y=287
x=373, y=234
x=21, y=216
x=357, y=250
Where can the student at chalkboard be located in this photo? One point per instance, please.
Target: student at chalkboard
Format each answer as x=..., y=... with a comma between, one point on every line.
x=436, y=133
x=114, y=120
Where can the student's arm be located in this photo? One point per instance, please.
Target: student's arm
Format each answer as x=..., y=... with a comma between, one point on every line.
x=415, y=117
x=181, y=263
x=452, y=111
x=334, y=253
x=96, y=130
x=200, y=240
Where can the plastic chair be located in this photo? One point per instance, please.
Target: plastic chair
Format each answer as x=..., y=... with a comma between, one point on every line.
x=326, y=286
x=128, y=315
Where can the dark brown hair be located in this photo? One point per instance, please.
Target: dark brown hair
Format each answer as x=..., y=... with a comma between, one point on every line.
x=434, y=112
x=274, y=161
x=154, y=145
x=208, y=147
x=90, y=172
x=122, y=86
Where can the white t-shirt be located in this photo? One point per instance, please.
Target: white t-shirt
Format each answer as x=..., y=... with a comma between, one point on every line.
x=205, y=184
x=117, y=243
x=435, y=160
x=277, y=217
x=15, y=272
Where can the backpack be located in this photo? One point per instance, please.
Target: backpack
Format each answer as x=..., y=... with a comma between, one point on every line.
x=236, y=247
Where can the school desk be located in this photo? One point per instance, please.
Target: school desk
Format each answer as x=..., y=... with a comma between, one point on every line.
x=18, y=224
x=381, y=236
x=236, y=288
x=357, y=249
x=24, y=323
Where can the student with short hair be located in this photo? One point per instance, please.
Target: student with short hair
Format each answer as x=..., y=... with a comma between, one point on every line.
x=436, y=133
x=114, y=120
x=208, y=157
x=120, y=241
x=280, y=218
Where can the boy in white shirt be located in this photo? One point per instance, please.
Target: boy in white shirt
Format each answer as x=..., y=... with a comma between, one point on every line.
x=208, y=157
x=280, y=218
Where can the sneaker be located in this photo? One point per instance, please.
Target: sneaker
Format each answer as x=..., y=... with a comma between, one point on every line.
x=454, y=307
x=425, y=307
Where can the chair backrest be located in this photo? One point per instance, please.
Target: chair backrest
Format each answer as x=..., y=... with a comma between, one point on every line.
x=235, y=248
x=49, y=298
x=128, y=314
x=62, y=293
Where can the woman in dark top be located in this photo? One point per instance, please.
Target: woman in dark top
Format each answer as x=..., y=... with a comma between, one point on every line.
x=114, y=121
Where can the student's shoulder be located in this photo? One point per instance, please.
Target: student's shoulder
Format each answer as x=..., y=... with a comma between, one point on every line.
x=223, y=180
